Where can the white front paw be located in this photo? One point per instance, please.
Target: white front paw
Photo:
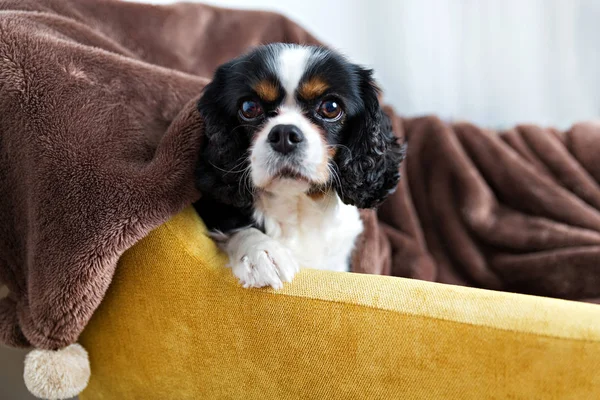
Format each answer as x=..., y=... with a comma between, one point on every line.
x=265, y=263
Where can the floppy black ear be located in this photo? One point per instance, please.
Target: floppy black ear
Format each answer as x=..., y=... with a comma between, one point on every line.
x=369, y=168
x=221, y=171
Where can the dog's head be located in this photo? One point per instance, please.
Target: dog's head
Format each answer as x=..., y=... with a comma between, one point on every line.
x=296, y=118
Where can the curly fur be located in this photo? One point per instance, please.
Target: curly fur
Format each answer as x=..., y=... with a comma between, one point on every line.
x=369, y=164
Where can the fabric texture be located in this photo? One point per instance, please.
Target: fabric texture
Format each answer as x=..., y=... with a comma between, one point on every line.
x=516, y=211
x=176, y=324
x=99, y=136
x=98, y=141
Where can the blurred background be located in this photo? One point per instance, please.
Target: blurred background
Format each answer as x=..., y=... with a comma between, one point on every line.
x=493, y=62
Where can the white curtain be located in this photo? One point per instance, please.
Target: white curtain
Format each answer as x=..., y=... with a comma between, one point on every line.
x=493, y=62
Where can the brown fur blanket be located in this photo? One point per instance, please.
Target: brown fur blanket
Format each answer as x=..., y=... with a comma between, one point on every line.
x=99, y=136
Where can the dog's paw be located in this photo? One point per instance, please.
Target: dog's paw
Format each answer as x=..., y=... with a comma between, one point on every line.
x=264, y=263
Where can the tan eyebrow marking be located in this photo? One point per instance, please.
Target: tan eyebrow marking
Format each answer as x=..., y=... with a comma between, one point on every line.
x=331, y=151
x=312, y=88
x=267, y=90
x=318, y=195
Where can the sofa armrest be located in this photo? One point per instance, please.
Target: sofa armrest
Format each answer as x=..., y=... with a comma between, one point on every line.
x=175, y=324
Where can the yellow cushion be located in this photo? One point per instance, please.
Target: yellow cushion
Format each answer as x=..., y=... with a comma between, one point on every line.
x=176, y=325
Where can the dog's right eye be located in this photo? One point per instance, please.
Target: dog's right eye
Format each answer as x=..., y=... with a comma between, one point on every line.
x=250, y=110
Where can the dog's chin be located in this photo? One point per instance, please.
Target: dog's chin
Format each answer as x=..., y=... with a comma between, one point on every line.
x=286, y=173
x=288, y=181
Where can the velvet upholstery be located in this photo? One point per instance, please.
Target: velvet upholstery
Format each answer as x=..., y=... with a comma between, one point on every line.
x=176, y=325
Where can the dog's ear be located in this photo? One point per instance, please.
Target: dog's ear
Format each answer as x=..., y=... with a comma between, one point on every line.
x=369, y=162
x=223, y=161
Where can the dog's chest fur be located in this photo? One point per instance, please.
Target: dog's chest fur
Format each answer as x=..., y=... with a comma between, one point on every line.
x=320, y=231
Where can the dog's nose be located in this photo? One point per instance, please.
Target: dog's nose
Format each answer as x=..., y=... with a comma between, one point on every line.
x=285, y=138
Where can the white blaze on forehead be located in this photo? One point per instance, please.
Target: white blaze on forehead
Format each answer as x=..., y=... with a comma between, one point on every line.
x=292, y=64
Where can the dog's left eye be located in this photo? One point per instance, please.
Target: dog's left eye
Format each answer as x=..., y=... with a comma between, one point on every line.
x=250, y=109
x=330, y=110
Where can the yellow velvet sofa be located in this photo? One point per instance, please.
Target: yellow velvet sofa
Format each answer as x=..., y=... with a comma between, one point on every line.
x=176, y=325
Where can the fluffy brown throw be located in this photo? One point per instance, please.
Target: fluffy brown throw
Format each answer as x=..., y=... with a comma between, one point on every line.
x=99, y=136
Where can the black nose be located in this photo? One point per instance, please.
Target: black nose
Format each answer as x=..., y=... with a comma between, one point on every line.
x=285, y=138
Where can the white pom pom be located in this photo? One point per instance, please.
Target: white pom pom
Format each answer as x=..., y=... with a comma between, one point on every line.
x=56, y=375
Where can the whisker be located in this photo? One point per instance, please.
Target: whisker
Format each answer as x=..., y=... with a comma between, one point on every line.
x=245, y=181
x=242, y=185
x=242, y=159
x=245, y=126
x=341, y=146
x=336, y=178
x=230, y=171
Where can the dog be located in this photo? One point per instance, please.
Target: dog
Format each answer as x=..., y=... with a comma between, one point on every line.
x=295, y=142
